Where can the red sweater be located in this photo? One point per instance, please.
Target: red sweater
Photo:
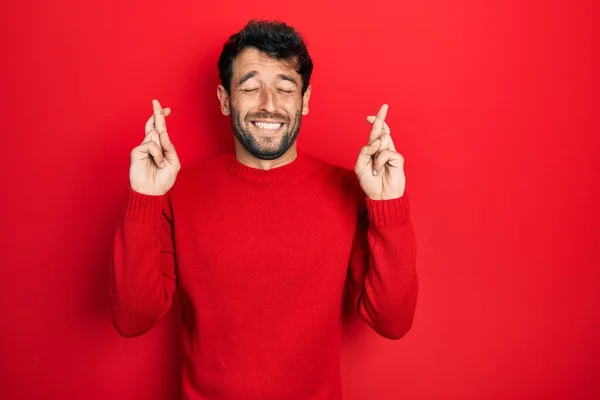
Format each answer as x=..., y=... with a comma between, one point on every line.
x=260, y=260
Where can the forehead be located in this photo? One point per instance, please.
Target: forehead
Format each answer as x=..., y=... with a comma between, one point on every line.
x=251, y=59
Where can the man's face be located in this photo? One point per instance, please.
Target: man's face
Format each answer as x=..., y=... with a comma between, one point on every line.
x=266, y=104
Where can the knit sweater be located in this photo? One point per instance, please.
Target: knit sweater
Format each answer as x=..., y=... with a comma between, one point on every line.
x=262, y=262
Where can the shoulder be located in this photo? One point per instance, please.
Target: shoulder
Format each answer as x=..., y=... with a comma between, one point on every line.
x=338, y=181
x=197, y=175
x=339, y=176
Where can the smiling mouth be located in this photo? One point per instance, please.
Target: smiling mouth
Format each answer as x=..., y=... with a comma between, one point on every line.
x=267, y=126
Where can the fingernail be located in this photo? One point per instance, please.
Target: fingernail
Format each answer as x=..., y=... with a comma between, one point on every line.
x=162, y=164
x=374, y=172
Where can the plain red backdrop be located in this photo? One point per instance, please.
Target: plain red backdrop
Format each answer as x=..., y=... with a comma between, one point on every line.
x=494, y=105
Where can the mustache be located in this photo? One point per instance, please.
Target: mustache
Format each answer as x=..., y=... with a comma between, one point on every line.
x=267, y=115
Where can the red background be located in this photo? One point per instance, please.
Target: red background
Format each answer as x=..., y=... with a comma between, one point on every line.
x=494, y=104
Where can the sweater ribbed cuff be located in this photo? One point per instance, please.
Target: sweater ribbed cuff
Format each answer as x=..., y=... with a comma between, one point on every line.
x=388, y=213
x=143, y=208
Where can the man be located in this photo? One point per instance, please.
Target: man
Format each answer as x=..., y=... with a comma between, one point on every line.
x=260, y=242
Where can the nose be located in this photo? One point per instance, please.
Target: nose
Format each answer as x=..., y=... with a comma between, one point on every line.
x=267, y=100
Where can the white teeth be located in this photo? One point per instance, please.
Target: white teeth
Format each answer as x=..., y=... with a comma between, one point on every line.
x=269, y=126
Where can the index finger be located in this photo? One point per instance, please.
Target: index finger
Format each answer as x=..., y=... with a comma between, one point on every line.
x=377, y=129
x=159, y=117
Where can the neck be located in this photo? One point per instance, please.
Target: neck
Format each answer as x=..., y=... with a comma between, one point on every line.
x=244, y=157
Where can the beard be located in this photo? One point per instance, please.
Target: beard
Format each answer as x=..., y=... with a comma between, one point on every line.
x=266, y=148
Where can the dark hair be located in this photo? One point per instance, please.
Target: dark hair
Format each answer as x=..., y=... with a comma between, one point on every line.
x=276, y=39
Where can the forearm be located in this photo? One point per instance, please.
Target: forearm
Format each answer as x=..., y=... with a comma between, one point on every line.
x=142, y=276
x=388, y=297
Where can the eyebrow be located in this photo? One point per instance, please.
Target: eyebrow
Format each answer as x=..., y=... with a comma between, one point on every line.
x=247, y=76
x=252, y=74
x=288, y=78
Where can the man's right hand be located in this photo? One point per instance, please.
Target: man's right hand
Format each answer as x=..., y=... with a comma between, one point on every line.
x=154, y=163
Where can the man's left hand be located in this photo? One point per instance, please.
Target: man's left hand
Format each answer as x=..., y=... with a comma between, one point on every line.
x=380, y=168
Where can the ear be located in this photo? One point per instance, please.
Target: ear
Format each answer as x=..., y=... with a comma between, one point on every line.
x=305, y=99
x=223, y=99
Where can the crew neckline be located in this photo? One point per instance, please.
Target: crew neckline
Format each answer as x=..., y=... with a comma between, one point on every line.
x=279, y=175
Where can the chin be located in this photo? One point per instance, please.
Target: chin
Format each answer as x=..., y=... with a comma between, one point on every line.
x=270, y=152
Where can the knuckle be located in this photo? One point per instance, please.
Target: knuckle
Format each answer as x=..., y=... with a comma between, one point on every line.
x=135, y=150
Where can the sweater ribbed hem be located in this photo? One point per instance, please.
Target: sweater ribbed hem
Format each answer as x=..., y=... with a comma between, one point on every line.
x=388, y=213
x=144, y=208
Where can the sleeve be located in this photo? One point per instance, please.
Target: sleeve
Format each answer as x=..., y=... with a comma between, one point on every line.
x=142, y=276
x=382, y=271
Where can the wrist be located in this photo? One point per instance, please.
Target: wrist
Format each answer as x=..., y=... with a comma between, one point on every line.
x=391, y=212
x=144, y=208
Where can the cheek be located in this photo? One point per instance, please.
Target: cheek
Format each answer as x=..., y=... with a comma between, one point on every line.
x=291, y=105
x=240, y=107
x=236, y=102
